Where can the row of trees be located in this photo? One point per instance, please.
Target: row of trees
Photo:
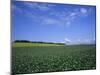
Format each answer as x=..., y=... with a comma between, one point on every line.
x=27, y=41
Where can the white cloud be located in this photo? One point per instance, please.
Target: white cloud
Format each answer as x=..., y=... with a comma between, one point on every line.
x=64, y=18
x=73, y=14
x=67, y=40
x=52, y=21
x=76, y=14
x=39, y=6
x=79, y=41
x=83, y=10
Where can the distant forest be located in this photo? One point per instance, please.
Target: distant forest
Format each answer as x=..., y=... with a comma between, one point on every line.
x=27, y=41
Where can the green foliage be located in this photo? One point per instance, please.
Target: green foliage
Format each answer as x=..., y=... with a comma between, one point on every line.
x=36, y=59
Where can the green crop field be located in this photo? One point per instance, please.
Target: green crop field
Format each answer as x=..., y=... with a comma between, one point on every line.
x=37, y=57
x=33, y=44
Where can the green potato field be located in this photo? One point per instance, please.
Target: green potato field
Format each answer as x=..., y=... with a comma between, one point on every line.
x=37, y=57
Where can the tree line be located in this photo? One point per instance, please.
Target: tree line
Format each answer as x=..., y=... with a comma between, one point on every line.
x=27, y=41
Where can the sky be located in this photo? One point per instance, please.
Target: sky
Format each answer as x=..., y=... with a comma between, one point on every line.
x=53, y=22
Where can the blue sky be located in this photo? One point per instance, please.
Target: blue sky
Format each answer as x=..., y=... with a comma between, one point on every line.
x=51, y=22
